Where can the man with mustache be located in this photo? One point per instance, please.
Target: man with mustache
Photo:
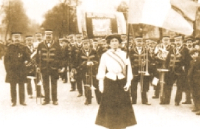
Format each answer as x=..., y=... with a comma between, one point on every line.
x=48, y=60
x=15, y=59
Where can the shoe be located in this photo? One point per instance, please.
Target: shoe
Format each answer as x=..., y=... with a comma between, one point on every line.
x=23, y=104
x=64, y=81
x=45, y=103
x=155, y=97
x=42, y=96
x=79, y=95
x=55, y=102
x=13, y=104
x=162, y=103
x=30, y=96
x=198, y=113
x=134, y=103
x=187, y=102
x=176, y=104
x=195, y=109
x=72, y=90
x=87, y=103
x=146, y=103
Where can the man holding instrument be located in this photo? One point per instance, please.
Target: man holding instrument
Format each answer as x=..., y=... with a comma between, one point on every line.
x=177, y=61
x=87, y=65
x=49, y=59
x=139, y=60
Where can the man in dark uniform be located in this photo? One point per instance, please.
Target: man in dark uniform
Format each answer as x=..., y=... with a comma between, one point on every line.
x=48, y=60
x=186, y=87
x=39, y=88
x=79, y=77
x=138, y=59
x=87, y=66
x=15, y=68
x=63, y=45
x=161, y=51
x=178, y=62
x=31, y=68
x=152, y=65
x=193, y=79
x=38, y=38
x=71, y=61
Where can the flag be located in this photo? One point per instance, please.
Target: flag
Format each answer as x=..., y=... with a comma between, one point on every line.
x=174, y=15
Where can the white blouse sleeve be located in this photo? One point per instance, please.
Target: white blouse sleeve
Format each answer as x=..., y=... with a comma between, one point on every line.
x=130, y=74
x=102, y=68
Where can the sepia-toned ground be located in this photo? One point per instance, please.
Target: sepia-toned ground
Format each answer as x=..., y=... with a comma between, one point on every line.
x=71, y=113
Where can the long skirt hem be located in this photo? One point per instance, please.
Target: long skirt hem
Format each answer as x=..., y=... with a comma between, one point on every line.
x=115, y=110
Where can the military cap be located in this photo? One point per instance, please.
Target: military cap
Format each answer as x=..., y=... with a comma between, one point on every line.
x=38, y=33
x=189, y=38
x=71, y=36
x=138, y=38
x=85, y=41
x=16, y=33
x=61, y=39
x=167, y=36
x=79, y=36
x=48, y=31
x=29, y=37
x=178, y=37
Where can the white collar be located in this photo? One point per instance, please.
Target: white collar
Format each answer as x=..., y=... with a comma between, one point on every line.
x=117, y=50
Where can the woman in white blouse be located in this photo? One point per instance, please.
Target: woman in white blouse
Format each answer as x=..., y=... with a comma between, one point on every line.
x=115, y=110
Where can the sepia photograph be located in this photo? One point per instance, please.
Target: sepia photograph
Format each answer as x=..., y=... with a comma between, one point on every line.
x=99, y=64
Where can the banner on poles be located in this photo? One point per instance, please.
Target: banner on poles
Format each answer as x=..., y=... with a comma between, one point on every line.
x=99, y=24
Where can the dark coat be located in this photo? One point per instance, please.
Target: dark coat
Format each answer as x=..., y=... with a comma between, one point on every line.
x=31, y=64
x=136, y=60
x=49, y=59
x=182, y=60
x=194, y=72
x=14, y=62
x=82, y=59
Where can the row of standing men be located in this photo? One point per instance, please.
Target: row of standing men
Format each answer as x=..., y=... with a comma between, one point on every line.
x=160, y=65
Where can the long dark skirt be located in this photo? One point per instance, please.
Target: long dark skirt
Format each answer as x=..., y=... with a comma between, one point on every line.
x=115, y=110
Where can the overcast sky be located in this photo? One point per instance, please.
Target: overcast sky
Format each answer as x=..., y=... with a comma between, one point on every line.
x=36, y=9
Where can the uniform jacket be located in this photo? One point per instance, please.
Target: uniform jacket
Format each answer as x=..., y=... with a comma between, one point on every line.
x=50, y=58
x=76, y=52
x=71, y=53
x=31, y=65
x=14, y=62
x=178, y=63
x=83, y=58
x=136, y=60
x=194, y=71
x=65, y=59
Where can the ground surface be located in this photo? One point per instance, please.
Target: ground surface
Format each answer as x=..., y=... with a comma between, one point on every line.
x=71, y=113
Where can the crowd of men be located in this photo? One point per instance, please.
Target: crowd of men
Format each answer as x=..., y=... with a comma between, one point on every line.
x=160, y=64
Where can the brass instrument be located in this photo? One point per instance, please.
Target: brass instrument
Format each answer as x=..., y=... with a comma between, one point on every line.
x=39, y=80
x=89, y=74
x=162, y=55
x=31, y=65
x=143, y=67
x=72, y=75
x=147, y=62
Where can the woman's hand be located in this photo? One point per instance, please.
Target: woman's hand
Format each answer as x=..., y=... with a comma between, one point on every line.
x=126, y=87
x=101, y=86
